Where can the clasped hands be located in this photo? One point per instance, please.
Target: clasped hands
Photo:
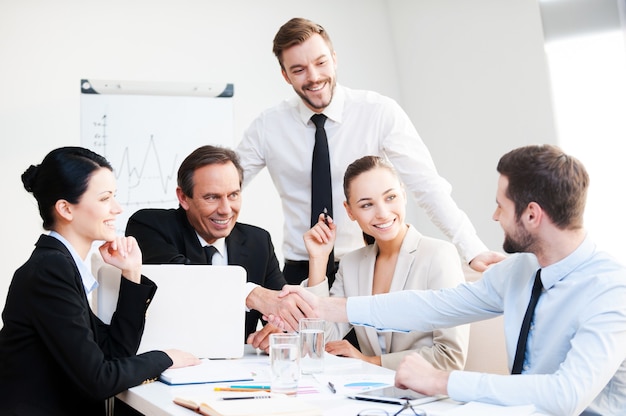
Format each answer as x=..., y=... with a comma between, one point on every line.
x=283, y=311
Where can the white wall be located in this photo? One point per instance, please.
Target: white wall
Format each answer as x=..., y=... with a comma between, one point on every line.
x=474, y=81
x=472, y=78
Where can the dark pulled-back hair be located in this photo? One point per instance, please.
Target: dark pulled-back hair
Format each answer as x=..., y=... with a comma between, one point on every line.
x=546, y=175
x=295, y=32
x=63, y=174
x=202, y=156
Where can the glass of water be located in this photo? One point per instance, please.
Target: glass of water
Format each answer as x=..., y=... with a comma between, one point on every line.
x=312, y=345
x=284, y=363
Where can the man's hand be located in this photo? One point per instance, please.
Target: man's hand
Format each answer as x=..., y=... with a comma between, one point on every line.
x=289, y=309
x=331, y=309
x=261, y=339
x=485, y=259
x=417, y=374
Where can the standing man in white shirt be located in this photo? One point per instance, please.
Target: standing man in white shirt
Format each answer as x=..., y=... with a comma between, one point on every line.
x=358, y=123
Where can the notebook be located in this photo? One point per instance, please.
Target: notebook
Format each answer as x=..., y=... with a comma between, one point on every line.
x=208, y=371
x=197, y=308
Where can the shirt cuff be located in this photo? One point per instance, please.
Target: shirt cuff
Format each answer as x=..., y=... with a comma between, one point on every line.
x=462, y=385
x=358, y=308
x=248, y=288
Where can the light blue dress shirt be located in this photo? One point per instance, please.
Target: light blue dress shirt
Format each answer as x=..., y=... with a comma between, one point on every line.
x=576, y=352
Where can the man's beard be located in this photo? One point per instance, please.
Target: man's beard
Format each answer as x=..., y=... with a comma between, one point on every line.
x=522, y=242
x=304, y=97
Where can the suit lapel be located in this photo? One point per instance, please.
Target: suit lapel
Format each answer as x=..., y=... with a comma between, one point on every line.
x=235, y=244
x=406, y=257
x=193, y=249
x=365, y=280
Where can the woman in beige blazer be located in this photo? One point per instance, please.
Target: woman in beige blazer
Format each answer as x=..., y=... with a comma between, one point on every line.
x=398, y=258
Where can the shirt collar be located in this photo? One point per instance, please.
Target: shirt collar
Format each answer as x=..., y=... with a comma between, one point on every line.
x=89, y=282
x=551, y=274
x=219, y=244
x=334, y=111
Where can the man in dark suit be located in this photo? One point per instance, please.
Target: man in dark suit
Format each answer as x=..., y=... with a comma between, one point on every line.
x=209, y=194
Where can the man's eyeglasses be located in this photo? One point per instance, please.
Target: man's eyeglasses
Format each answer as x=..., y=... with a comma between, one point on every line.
x=383, y=412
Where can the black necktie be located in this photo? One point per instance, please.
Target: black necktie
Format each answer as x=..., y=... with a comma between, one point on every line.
x=520, y=353
x=321, y=186
x=209, y=251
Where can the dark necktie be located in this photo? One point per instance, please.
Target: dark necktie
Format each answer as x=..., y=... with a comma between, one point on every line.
x=520, y=353
x=321, y=186
x=209, y=251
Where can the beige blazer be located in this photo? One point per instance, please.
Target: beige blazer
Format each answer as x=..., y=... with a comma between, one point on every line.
x=423, y=263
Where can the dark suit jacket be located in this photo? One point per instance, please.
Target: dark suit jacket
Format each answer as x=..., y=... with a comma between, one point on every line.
x=56, y=356
x=166, y=236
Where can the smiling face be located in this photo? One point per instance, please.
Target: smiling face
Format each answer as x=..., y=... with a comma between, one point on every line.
x=310, y=68
x=93, y=217
x=214, y=207
x=378, y=204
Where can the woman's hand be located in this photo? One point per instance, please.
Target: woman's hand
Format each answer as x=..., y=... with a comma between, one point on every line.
x=182, y=358
x=123, y=253
x=319, y=240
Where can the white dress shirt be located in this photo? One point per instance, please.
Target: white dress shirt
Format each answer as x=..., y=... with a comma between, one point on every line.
x=359, y=123
x=576, y=350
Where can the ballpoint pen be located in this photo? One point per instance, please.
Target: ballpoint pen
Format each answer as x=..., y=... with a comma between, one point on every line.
x=325, y=215
x=245, y=397
x=331, y=386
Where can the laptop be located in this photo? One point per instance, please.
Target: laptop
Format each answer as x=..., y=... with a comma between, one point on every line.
x=197, y=308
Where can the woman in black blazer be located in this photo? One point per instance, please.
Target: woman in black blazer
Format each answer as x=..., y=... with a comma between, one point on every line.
x=56, y=356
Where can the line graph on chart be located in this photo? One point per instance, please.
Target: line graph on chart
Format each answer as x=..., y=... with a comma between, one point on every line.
x=145, y=138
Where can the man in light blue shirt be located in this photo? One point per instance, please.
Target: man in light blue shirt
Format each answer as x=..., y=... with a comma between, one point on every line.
x=575, y=357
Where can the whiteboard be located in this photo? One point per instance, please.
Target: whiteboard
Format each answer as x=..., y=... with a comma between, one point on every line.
x=145, y=130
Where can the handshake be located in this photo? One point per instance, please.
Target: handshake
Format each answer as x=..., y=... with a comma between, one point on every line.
x=284, y=309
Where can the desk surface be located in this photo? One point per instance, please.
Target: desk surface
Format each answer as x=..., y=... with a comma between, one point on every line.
x=157, y=398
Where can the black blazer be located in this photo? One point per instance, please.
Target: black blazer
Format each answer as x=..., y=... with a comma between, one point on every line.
x=56, y=356
x=166, y=236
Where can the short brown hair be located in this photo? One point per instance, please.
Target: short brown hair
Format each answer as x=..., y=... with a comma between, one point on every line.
x=546, y=175
x=295, y=32
x=202, y=156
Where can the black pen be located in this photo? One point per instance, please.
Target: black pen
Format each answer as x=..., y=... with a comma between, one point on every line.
x=331, y=386
x=245, y=397
x=326, y=216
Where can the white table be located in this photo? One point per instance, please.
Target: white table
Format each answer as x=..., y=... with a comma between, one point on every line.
x=156, y=399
